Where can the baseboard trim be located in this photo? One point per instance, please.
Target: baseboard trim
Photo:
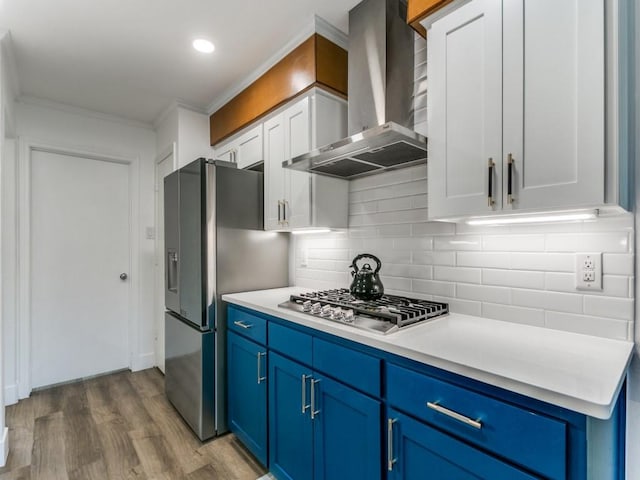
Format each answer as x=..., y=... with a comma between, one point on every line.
x=4, y=447
x=11, y=394
x=143, y=361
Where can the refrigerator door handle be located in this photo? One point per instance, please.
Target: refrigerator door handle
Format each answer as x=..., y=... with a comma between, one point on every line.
x=172, y=271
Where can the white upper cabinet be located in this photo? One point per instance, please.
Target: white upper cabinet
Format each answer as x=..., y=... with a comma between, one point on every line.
x=554, y=109
x=245, y=149
x=519, y=85
x=464, y=109
x=294, y=199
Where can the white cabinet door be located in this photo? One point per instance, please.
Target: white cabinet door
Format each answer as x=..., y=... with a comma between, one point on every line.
x=297, y=134
x=249, y=147
x=465, y=110
x=274, y=174
x=225, y=152
x=554, y=69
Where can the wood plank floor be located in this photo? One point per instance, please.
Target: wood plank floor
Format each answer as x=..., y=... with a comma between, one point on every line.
x=119, y=426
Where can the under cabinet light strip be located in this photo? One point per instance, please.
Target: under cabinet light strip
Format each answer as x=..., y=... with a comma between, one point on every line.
x=320, y=230
x=545, y=218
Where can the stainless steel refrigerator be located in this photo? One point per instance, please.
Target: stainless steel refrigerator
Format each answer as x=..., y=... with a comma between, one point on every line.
x=214, y=244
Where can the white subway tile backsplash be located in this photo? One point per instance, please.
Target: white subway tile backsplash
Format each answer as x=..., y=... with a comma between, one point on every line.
x=467, y=242
x=447, y=289
x=513, y=278
x=519, y=273
x=613, y=285
x=465, y=307
x=484, y=259
x=552, y=262
x=598, y=326
x=609, y=307
x=513, y=243
x=432, y=228
x=401, y=230
x=561, y=302
x=588, y=242
x=484, y=293
x=457, y=274
x=396, y=284
x=617, y=264
x=509, y=313
x=413, y=243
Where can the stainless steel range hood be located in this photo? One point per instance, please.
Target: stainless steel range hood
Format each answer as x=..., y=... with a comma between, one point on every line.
x=380, y=110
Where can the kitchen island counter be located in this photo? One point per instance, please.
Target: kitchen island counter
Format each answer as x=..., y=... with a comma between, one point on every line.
x=574, y=371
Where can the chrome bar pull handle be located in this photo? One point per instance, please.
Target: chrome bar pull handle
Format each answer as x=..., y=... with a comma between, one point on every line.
x=390, y=458
x=260, y=377
x=241, y=324
x=279, y=213
x=492, y=166
x=510, y=166
x=305, y=407
x=314, y=412
x=455, y=415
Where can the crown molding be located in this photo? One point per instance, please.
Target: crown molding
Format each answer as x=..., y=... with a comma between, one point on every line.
x=175, y=105
x=316, y=25
x=45, y=103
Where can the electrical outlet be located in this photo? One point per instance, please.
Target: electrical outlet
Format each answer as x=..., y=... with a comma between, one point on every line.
x=589, y=271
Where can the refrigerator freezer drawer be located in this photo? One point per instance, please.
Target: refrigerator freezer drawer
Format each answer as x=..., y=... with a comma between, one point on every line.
x=189, y=374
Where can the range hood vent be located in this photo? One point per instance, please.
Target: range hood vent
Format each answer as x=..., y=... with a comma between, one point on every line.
x=380, y=110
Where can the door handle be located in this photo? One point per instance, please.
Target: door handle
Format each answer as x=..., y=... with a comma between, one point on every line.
x=510, y=166
x=477, y=424
x=491, y=165
x=123, y=276
x=390, y=458
x=260, y=377
x=314, y=412
x=279, y=213
x=304, y=393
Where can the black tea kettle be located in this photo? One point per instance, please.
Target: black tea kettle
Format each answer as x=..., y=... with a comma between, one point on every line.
x=366, y=283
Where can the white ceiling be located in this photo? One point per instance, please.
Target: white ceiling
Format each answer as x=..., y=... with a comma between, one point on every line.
x=133, y=58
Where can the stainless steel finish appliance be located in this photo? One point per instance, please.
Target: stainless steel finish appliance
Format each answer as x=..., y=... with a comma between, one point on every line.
x=381, y=86
x=385, y=315
x=214, y=244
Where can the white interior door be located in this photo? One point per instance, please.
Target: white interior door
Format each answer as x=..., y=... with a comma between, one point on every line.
x=163, y=168
x=80, y=221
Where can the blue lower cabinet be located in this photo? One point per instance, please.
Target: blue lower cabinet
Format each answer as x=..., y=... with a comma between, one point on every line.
x=416, y=451
x=290, y=424
x=247, y=393
x=347, y=437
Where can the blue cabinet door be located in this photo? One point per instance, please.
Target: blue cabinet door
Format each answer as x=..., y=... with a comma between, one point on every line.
x=346, y=429
x=418, y=451
x=247, y=393
x=290, y=428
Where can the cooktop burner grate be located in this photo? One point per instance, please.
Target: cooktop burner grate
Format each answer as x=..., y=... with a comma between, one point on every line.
x=384, y=315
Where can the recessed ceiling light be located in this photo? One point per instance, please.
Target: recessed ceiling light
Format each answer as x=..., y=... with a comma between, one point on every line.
x=202, y=45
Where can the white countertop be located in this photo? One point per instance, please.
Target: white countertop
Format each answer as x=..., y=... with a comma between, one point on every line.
x=578, y=372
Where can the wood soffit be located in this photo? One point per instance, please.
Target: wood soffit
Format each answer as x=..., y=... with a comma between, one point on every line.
x=315, y=62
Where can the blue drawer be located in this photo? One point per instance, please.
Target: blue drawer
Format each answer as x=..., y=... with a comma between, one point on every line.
x=290, y=342
x=524, y=437
x=356, y=369
x=247, y=324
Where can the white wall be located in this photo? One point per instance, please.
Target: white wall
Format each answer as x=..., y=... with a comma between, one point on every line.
x=188, y=129
x=8, y=90
x=79, y=130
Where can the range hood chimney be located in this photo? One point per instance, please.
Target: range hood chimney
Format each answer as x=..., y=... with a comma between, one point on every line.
x=380, y=109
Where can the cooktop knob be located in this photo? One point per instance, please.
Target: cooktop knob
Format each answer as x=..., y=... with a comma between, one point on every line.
x=348, y=315
x=316, y=307
x=306, y=306
x=325, y=311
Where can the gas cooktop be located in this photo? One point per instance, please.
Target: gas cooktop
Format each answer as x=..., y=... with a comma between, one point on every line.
x=385, y=315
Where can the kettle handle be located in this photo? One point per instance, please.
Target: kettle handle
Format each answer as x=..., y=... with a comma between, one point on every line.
x=365, y=255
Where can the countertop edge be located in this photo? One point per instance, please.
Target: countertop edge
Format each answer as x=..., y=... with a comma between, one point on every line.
x=593, y=409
